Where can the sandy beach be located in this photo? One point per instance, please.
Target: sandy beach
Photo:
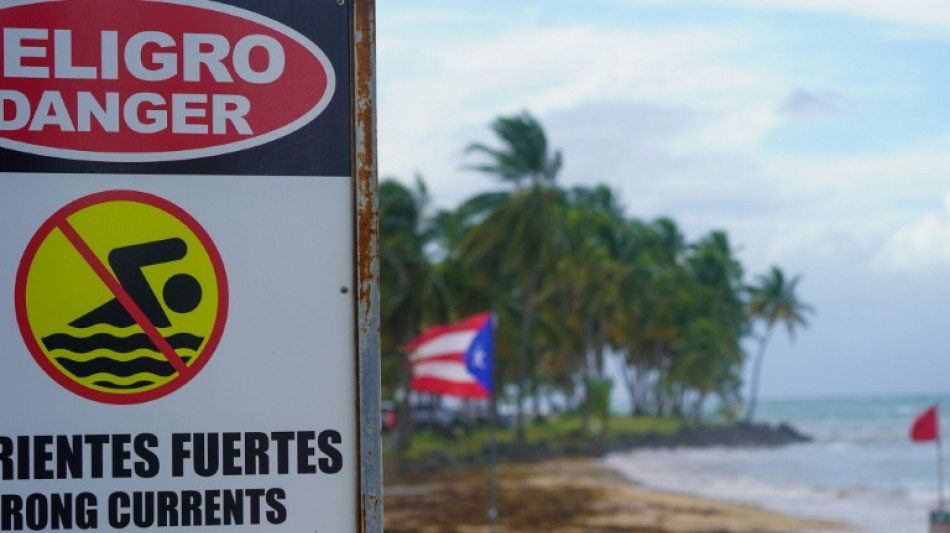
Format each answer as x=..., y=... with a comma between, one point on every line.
x=566, y=496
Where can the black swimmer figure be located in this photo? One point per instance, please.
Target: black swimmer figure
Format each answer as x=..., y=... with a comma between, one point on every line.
x=181, y=293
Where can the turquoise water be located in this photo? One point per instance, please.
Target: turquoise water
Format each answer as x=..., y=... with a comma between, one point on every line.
x=861, y=469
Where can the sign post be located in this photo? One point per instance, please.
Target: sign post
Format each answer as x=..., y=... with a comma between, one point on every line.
x=189, y=333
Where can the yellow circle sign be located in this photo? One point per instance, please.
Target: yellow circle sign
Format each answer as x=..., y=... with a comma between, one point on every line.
x=121, y=297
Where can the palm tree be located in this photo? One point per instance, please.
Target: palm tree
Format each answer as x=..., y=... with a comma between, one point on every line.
x=717, y=321
x=412, y=291
x=524, y=156
x=773, y=300
x=684, y=317
x=518, y=234
x=659, y=299
x=583, y=293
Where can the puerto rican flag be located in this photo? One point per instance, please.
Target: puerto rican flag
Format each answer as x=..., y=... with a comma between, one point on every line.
x=455, y=360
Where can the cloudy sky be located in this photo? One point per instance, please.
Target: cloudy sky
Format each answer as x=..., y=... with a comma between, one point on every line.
x=816, y=132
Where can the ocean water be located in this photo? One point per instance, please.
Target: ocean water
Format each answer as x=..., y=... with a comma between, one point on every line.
x=861, y=469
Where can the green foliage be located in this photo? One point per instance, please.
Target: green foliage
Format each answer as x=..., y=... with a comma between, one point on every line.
x=575, y=283
x=524, y=155
x=412, y=291
x=773, y=300
x=558, y=433
x=516, y=236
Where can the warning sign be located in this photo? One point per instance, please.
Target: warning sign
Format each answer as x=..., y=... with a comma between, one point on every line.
x=121, y=312
x=188, y=262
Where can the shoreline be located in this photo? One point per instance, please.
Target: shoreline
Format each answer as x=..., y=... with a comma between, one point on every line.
x=738, y=435
x=567, y=495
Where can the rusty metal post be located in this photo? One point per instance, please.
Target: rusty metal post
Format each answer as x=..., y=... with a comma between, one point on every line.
x=367, y=264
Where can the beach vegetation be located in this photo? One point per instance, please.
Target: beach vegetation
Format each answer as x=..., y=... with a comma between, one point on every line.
x=587, y=297
x=773, y=299
x=412, y=292
x=554, y=435
x=520, y=232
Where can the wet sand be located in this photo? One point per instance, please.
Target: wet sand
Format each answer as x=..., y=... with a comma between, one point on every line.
x=565, y=496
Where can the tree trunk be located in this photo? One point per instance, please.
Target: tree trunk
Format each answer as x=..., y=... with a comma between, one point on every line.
x=599, y=343
x=527, y=318
x=605, y=412
x=645, y=375
x=535, y=392
x=676, y=401
x=585, y=366
x=630, y=382
x=659, y=391
x=698, y=407
x=404, y=424
x=756, y=371
x=641, y=385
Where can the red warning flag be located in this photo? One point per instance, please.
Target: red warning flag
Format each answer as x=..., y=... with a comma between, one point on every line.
x=925, y=426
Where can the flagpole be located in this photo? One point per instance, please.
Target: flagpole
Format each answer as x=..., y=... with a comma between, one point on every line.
x=493, y=453
x=940, y=500
x=493, y=469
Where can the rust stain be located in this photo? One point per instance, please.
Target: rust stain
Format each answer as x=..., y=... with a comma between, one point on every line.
x=371, y=511
x=366, y=181
x=367, y=263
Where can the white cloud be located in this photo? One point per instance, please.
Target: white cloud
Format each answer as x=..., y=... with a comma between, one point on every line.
x=919, y=34
x=682, y=121
x=861, y=180
x=920, y=247
x=561, y=66
x=671, y=118
x=628, y=147
x=807, y=246
x=435, y=99
x=918, y=12
x=873, y=211
x=739, y=127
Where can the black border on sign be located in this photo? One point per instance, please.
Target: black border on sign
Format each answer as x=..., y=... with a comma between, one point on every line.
x=309, y=151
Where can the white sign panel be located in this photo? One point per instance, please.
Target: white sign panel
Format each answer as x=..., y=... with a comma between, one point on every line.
x=178, y=334
x=255, y=438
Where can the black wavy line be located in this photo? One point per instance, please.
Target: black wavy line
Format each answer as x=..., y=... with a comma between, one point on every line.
x=136, y=385
x=104, y=341
x=122, y=369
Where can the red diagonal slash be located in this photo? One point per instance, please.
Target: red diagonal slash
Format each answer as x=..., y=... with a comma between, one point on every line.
x=127, y=302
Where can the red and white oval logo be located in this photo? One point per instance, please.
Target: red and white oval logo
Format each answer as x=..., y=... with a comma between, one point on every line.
x=152, y=80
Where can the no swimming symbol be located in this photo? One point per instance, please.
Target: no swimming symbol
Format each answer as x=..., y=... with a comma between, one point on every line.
x=121, y=297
